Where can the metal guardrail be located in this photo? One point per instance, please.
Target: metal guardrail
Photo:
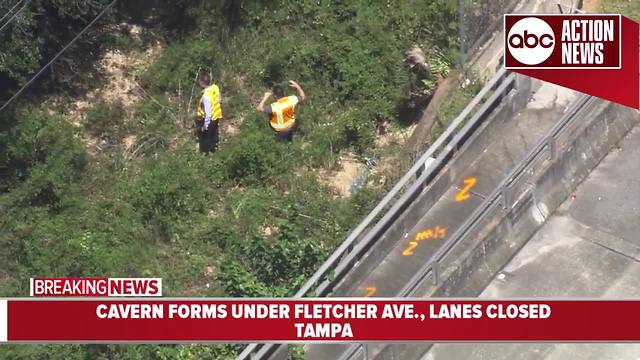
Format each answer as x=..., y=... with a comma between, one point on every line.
x=501, y=196
x=333, y=270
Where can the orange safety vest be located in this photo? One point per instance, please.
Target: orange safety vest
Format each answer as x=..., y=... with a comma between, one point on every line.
x=283, y=114
x=213, y=93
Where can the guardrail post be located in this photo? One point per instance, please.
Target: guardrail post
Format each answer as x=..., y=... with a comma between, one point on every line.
x=551, y=145
x=435, y=270
x=524, y=86
x=427, y=163
x=505, y=197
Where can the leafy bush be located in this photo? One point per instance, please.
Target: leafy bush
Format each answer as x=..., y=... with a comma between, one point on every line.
x=31, y=40
x=43, y=157
x=180, y=64
x=283, y=264
x=256, y=156
x=105, y=120
x=167, y=193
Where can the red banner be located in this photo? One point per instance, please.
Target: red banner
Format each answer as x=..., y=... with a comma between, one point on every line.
x=595, y=54
x=317, y=320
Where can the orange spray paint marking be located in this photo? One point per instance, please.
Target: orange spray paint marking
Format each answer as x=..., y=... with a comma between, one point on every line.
x=463, y=194
x=370, y=291
x=423, y=235
x=409, y=250
x=437, y=232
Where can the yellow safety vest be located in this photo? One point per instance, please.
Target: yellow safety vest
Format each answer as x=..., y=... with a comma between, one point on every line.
x=213, y=93
x=283, y=114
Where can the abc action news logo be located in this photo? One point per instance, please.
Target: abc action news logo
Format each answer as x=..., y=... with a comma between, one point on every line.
x=95, y=287
x=563, y=41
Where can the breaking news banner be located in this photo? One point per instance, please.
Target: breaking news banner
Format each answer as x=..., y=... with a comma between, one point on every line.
x=597, y=54
x=316, y=320
x=81, y=287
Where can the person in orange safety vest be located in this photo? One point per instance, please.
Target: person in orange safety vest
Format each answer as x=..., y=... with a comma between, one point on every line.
x=282, y=112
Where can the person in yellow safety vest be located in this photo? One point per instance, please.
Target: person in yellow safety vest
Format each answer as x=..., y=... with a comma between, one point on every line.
x=209, y=113
x=282, y=113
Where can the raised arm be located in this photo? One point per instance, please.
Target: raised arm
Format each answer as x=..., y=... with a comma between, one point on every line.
x=266, y=97
x=297, y=86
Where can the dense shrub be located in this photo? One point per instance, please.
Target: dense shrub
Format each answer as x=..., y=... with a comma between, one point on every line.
x=256, y=157
x=168, y=193
x=32, y=39
x=43, y=157
x=283, y=262
x=105, y=120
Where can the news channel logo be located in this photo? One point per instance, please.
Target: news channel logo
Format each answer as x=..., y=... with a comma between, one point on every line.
x=563, y=41
x=531, y=41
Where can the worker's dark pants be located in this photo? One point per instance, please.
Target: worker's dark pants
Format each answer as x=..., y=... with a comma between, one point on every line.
x=209, y=138
x=288, y=134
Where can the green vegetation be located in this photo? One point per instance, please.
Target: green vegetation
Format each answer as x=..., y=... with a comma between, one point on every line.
x=628, y=8
x=453, y=105
x=254, y=219
x=32, y=39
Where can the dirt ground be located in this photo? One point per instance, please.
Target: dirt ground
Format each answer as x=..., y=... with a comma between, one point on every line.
x=341, y=178
x=118, y=71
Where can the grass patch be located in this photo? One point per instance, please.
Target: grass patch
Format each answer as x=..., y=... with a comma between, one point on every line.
x=628, y=8
x=453, y=106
